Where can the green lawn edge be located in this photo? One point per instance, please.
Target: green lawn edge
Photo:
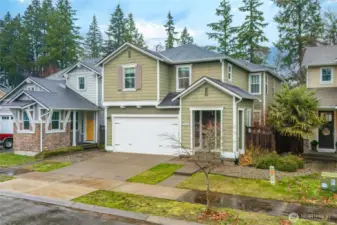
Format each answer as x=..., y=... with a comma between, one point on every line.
x=47, y=166
x=4, y=178
x=303, y=190
x=11, y=159
x=156, y=174
x=177, y=210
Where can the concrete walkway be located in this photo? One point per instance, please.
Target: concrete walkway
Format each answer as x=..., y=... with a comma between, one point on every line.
x=68, y=187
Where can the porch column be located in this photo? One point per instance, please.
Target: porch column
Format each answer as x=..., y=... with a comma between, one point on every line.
x=74, y=128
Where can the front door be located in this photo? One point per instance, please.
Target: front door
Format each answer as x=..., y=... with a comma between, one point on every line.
x=90, y=133
x=326, y=132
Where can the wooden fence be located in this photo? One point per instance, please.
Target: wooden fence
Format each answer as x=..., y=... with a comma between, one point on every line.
x=260, y=136
x=266, y=138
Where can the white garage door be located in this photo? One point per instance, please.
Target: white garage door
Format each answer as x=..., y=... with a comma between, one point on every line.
x=6, y=124
x=146, y=135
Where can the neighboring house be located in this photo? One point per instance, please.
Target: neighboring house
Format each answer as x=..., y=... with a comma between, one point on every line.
x=149, y=96
x=6, y=117
x=70, y=95
x=321, y=67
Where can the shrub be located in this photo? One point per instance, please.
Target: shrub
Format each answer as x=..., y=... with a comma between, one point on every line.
x=289, y=163
x=251, y=154
x=60, y=151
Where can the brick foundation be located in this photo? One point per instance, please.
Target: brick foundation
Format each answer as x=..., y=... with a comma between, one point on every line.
x=29, y=143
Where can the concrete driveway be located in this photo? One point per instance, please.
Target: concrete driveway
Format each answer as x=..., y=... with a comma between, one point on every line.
x=113, y=166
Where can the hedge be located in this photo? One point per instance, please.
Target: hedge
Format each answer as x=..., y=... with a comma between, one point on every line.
x=59, y=151
x=289, y=163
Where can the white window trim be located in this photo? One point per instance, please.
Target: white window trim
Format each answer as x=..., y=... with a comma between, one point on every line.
x=249, y=117
x=60, y=120
x=78, y=83
x=321, y=75
x=249, y=83
x=231, y=72
x=23, y=121
x=126, y=67
x=177, y=76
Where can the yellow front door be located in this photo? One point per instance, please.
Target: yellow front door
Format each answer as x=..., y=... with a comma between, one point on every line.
x=90, y=126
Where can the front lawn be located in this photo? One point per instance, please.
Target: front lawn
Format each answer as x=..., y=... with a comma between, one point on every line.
x=304, y=189
x=47, y=166
x=5, y=178
x=10, y=159
x=180, y=210
x=156, y=174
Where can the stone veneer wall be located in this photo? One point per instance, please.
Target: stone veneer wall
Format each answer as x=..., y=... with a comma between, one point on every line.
x=29, y=143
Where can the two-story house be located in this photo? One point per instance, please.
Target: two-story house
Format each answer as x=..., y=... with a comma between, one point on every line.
x=58, y=111
x=321, y=65
x=149, y=96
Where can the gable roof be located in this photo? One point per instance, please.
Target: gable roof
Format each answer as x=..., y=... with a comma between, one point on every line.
x=320, y=56
x=167, y=101
x=191, y=53
x=89, y=63
x=227, y=88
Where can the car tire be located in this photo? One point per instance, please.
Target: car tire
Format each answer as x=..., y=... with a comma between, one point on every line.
x=8, y=143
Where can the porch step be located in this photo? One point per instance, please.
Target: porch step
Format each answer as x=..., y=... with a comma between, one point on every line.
x=89, y=145
x=320, y=156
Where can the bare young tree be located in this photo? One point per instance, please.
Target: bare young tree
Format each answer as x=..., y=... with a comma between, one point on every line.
x=207, y=157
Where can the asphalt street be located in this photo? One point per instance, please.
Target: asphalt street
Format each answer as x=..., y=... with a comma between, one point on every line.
x=18, y=211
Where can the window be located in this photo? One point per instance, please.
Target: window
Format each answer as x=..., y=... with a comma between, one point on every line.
x=55, y=121
x=26, y=124
x=81, y=83
x=266, y=83
x=183, y=77
x=229, y=72
x=254, y=84
x=129, y=77
x=257, y=118
x=326, y=75
x=249, y=118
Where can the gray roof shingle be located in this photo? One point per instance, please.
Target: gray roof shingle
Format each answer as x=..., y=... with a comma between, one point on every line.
x=167, y=101
x=189, y=52
x=91, y=62
x=17, y=104
x=321, y=55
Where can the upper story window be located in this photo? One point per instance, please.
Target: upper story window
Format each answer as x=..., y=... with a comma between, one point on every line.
x=255, y=84
x=129, y=81
x=55, y=121
x=184, y=77
x=326, y=75
x=81, y=83
x=229, y=72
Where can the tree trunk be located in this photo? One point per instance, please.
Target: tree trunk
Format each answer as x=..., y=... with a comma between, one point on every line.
x=207, y=191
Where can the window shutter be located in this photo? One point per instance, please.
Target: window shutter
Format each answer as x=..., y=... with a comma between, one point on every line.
x=120, y=78
x=138, y=77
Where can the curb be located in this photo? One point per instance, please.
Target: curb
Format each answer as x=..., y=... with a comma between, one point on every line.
x=155, y=220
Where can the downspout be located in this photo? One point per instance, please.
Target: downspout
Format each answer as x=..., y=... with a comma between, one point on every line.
x=236, y=130
x=41, y=133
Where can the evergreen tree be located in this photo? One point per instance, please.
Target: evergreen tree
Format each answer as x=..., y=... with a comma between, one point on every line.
x=94, y=40
x=32, y=24
x=171, y=33
x=132, y=34
x=299, y=24
x=250, y=33
x=185, y=37
x=13, y=50
x=222, y=31
x=47, y=23
x=116, y=30
x=64, y=37
x=330, y=28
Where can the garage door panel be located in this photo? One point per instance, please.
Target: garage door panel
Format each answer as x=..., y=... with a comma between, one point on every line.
x=147, y=135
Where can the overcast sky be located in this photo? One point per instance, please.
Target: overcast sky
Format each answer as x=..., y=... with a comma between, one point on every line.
x=150, y=15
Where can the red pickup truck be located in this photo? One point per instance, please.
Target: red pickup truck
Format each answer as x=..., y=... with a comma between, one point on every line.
x=6, y=140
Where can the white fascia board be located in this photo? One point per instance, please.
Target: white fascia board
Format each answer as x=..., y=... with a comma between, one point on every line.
x=131, y=103
x=200, y=82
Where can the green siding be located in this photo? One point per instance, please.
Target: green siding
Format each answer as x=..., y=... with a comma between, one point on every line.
x=164, y=80
x=148, y=90
x=133, y=110
x=215, y=98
